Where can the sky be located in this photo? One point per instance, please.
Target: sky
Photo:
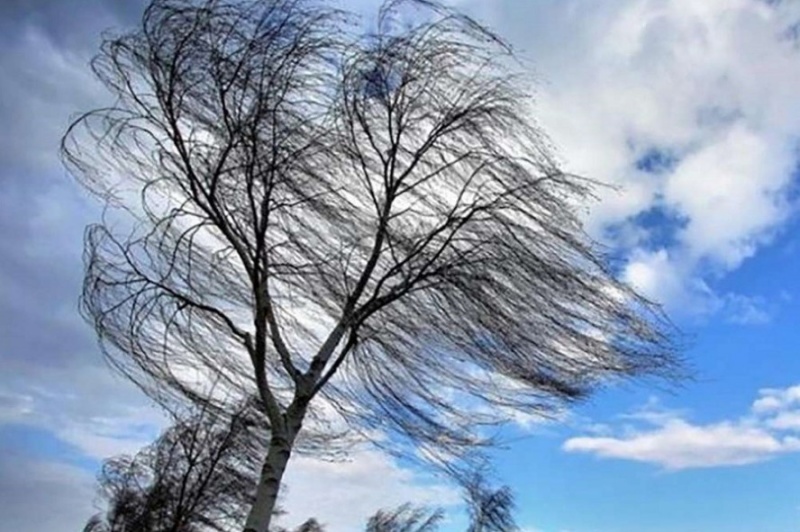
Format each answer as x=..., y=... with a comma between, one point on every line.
x=690, y=108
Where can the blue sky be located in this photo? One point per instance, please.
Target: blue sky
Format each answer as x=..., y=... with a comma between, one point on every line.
x=690, y=108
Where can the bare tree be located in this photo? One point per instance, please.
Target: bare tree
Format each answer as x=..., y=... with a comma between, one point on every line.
x=489, y=510
x=405, y=518
x=312, y=525
x=198, y=475
x=370, y=224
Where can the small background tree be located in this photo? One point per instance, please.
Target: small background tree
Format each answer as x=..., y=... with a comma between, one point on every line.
x=197, y=475
x=405, y=518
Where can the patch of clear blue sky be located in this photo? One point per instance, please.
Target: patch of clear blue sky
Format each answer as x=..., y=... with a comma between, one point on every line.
x=580, y=493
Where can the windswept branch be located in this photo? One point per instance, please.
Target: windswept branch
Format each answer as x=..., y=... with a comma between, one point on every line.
x=368, y=224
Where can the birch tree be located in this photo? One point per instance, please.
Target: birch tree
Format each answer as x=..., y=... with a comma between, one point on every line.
x=358, y=225
x=489, y=509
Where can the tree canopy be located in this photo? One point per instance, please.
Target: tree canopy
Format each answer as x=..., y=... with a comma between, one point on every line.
x=359, y=225
x=198, y=475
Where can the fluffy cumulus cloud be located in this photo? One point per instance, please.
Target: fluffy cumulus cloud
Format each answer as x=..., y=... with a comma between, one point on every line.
x=688, y=108
x=666, y=438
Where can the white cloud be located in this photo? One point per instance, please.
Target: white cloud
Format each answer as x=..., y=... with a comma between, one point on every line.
x=655, y=274
x=708, y=84
x=668, y=439
x=680, y=445
x=785, y=421
x=97, y=433
x=746, y=310
x=666, y=276
x=342, y=495
x=731, y=192
x=777, y=399
x=102, y=437
x=14, y=406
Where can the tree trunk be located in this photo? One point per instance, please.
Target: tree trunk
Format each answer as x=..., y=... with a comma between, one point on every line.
x=280, y=449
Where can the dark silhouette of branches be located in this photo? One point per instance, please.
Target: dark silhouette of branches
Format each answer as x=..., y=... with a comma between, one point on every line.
x=372, y=222
x=489, y=510
x=312, y=525
x=405, y=518
x=197, y=476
